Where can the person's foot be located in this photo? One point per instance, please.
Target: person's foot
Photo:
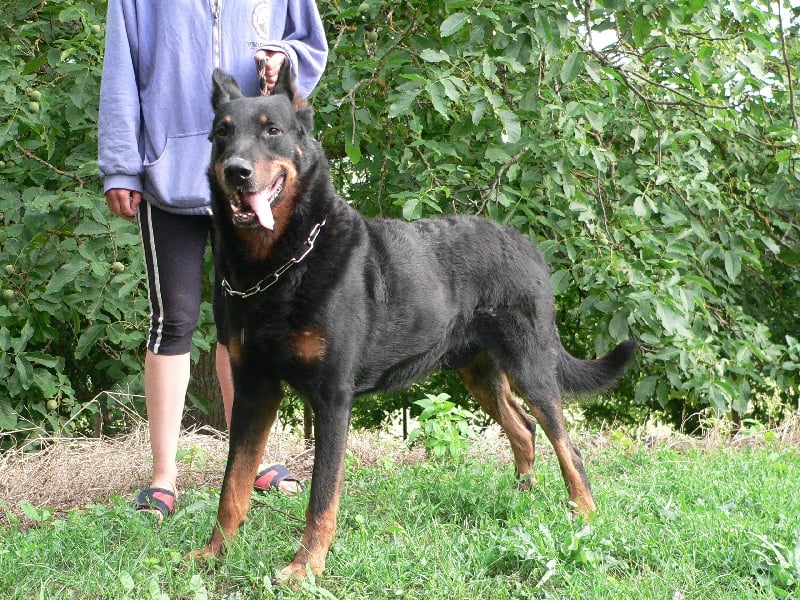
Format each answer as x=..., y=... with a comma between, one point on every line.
x=157, y=500
x=278, y=477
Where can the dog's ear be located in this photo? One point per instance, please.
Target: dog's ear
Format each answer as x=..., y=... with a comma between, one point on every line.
x=285, y=82
x=305, y=116
x=285, y=85
x=225, y=88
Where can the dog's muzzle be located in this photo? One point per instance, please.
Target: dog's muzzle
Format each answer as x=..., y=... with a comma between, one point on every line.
x=251, y=204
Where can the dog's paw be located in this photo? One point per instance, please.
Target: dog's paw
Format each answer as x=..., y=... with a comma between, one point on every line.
x=204, y=555
x=295, y=574
x=292, y=574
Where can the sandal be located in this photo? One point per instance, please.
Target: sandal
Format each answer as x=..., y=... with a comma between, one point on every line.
x=270, y=478
x=156, y=501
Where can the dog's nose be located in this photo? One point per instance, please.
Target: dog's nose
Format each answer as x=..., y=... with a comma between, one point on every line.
x=238, y=169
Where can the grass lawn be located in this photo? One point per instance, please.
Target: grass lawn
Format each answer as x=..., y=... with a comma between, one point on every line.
x=675, y=524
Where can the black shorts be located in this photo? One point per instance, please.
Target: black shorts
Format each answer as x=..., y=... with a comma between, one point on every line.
x=174, y=248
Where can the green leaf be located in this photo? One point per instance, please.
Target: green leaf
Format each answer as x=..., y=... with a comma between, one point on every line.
x=34, y=64
x=437, y=96
x=45, y=360
x=88, y=339
x=91, y=228
x=595, y=120
x=560, y=280
x=697, y=82
x=24, y=371
x=411, y=209
x=402, y=105
x=453, y=24
x=477, y=111
x=434, y=56
x=701, y=281
x=512, y=130
x=497, y=155
x=352, y=148
x=65, y=275
x=672, y=322
x=646, y=389
x=8, y=418
x=641, y=29
x=571, y=67
x=733, y=265
x=618, y=326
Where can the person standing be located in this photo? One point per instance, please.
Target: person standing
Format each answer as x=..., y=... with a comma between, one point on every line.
x=153, y=154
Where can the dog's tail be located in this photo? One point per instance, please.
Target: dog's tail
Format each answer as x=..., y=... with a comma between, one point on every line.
x=587, y=377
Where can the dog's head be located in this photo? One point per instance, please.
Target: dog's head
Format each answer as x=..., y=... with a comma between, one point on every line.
x=258, y=145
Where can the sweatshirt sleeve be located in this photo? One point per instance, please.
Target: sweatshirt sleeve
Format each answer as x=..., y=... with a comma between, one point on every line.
x=119, y=157
x=304, y=43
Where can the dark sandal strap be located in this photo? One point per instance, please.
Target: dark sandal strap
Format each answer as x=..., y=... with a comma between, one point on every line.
x=271, y=477
x=156, y=500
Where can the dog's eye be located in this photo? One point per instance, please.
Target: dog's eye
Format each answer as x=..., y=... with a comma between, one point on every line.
x=274, y=131
x=222, y=130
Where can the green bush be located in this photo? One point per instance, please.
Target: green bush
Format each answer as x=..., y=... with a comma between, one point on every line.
x=72, y=320
x=658, y=173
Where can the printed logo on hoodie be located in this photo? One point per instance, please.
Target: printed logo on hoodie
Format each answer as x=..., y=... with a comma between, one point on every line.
x=262, y=16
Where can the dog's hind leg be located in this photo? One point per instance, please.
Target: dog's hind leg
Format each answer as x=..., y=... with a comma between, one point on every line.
x=531, y=367
x=255, y=407
x=490, y=387
x=538, y=386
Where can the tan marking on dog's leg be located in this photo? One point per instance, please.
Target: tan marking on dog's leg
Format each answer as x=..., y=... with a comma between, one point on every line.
x=234, y=347
x=569, y=460
x=491, y=388
x=317, y=538
x=314, y=547
x=248, y=440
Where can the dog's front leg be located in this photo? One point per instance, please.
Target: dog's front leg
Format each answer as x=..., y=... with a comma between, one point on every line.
x=331, y=422
x=255, y=407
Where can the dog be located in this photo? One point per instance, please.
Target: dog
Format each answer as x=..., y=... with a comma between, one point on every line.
x=338, y=305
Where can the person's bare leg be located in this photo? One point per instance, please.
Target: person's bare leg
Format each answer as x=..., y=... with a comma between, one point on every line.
x=225, y=378
x=166, y=379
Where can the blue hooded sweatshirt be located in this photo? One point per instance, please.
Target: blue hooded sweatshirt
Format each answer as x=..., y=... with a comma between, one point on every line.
x=155, y=94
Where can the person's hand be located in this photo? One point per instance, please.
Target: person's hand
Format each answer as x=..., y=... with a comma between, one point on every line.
x=274, y=62
x=124, y=203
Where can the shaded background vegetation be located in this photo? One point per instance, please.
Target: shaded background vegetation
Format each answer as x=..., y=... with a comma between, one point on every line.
x=650, y=149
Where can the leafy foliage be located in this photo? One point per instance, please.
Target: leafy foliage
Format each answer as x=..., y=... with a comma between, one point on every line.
x=658, y=173
x=650, y=149
x=445, y=429
x=71, y=325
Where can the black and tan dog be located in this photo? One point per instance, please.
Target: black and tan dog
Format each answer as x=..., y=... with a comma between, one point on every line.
x=338, y=305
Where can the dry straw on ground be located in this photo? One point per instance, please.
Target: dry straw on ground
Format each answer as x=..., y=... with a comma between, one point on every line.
x=73, y=473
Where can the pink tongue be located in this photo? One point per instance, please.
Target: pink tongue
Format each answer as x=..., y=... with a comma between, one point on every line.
x=259, y=202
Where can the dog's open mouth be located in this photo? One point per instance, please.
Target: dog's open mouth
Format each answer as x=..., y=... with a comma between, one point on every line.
x=254, y=209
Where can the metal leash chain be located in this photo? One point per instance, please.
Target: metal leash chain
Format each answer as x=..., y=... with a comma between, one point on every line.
x=265, y=284
x=261, y=66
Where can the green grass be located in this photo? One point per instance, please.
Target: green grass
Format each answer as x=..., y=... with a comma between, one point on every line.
x=719, y=524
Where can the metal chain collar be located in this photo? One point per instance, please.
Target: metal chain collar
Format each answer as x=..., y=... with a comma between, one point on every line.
x=271, y=280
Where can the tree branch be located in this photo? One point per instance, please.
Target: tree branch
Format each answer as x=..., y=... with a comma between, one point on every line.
x=28, y=154
x=786, y=63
